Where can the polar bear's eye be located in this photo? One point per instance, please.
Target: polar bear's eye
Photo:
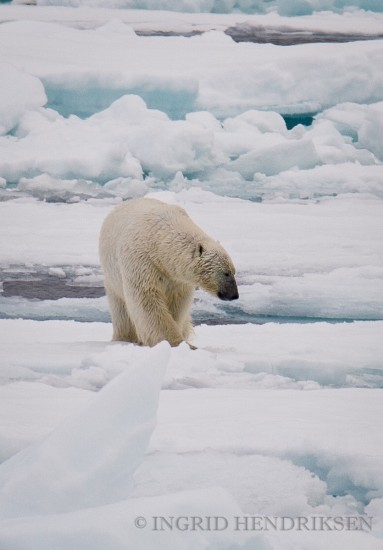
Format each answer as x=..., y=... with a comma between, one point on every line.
x=200, y=250
x=227, y=274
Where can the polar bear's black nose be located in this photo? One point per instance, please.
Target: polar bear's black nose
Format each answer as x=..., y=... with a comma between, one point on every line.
x=227, y=297
x=228, y=290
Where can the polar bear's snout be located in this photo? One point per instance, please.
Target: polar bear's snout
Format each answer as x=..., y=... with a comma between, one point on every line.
x=228, y=289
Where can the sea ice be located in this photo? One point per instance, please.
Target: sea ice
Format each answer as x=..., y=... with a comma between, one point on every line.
x=233, y=78
x=133, y=522
x=69, y=470
x=22, y=93
x=284, y=7
x=275, y=151
x=336, y=273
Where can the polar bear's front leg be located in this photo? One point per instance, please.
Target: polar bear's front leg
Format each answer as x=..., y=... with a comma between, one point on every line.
x=152, y=318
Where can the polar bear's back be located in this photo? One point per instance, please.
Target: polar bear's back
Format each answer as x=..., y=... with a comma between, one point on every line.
x=136, y=222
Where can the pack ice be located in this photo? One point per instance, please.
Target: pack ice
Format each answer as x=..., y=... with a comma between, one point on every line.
x=277, y=152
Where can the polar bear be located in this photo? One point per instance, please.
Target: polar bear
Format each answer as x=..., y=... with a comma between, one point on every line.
x=153, y=257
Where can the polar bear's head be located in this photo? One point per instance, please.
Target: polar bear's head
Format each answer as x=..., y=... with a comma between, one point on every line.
x=214, y=270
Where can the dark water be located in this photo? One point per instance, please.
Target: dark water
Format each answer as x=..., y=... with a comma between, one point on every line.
x=293, y=120
x=49, y=289
x=280, y=36
x=288, y=36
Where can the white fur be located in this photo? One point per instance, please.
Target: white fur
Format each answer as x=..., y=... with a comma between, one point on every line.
x=153, y=256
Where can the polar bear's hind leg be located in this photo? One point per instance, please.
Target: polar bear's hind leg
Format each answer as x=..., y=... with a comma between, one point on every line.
x=123, y=327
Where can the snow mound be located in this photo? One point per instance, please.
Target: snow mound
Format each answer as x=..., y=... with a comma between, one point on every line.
x=88, y=460
x=129, y=148
x=22, y=93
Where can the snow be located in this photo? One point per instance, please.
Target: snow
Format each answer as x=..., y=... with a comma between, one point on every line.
x=68, y=469
x=113, y=525
x=29, y=413
x=224, y=82
x=276, y=151
x=22, y=93
x=258, y=356
x=297, y=460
